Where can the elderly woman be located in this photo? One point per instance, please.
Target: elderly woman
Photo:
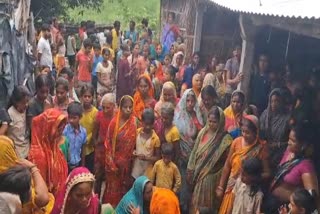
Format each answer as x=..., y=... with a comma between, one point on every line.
x=168, y=94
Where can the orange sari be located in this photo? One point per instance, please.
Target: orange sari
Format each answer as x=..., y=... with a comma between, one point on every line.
x=164, y=201
x=120, y=143
x=45, y=151
x=258, y=149
x=139, y=104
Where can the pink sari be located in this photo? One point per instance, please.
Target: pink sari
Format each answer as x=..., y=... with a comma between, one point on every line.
x=77, y=176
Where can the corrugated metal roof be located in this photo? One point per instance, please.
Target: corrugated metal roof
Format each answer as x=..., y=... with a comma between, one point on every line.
x=285, y=8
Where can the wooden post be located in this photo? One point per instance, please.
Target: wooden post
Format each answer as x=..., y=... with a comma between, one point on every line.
x=248, y=32
x=198, y=27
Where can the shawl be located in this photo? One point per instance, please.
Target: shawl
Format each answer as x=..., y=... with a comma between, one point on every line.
x=8, y=159
x=134, y=196
x=185, y=123
x=77, y=176
x=232, y=120
x=164, y=201
x=275, y=125
x=204, y=157
x=45, y=151
x=138, y=103
x=167, y=85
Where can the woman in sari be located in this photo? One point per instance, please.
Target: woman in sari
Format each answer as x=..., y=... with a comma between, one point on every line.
x=45, y=151
x=76, y=195
x=156, y=75
x=164, y=201
x=234, y=113
x=143, y=97
x=188, y=120
x=170, y=31
x=41, y=202
x=296, y=170
x=247, y=146
x=274, y=126
x=120, y=143
x=206, y=161
x=138, y=196
x=168, y=94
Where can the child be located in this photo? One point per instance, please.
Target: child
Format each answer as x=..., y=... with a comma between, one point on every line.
x=147, y=146
x=165, y=173
x=87, y=121
x=97, y=59
x=68, y=74
x=167, y=62
x=169, y=75
x=301, y=202
x=76, y=136
x=105, y=73
x=17, y=129
x=62, y=100
x=247, y=192
x=84, y=61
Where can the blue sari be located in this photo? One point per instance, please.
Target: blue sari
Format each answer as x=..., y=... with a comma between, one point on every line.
x=133, y=197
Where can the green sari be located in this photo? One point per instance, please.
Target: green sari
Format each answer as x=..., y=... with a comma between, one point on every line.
x=206, y=163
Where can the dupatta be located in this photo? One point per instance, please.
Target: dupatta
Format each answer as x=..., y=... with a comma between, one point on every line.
x=164, y=201
x=77, y=176
x=45, y=151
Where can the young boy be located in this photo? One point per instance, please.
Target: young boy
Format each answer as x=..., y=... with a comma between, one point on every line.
x=165, y=173
x=68, y=74
x=97, y=58
x=76, y=136
x=147, y=146
x=84, y=61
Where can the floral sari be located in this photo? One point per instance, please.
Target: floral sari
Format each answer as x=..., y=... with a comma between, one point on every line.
x=240, y=153
x=45, y=151
x=8, y=159
x=77, y=176
x=139, y=104
x=170, y=86
x=120, y=144
x=206, y=164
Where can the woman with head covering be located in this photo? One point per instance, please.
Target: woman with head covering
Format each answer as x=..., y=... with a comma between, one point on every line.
x=209, y=98
x=196, y=84
x=206, y=161
x=168, y=94
x=156, y=75
x=143, y=97
x=274, y=125
x=41, y=202
x=247, y=146
x=234, y=113
x=138, y=196
x=45, y=152
x=188, y=120
x=120, y=143
x=76, y=195
x=164, y=201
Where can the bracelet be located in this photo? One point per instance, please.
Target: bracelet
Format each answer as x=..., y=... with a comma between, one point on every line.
x=34, y=171
x=33, y=166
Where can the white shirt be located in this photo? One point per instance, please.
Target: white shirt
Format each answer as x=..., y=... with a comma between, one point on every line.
x=45, y=50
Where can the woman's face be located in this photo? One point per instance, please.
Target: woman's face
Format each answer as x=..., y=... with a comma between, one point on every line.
x=136, y=50
x=236, y=104
x=60, y=128
x=196, y=59
x=167, y=61
x=170, y=18
x=248, y=134
x=126, y=108
x=107, y=108
x=208, y=101
x=168, y=95
x=81, y=194
x=159, y=50
x=152, y=69
x=147, y=193
x=214, y=62
x=293, y=145
x=179, y=60
x=275, y=103
x=213, y=122
x=87, y=99
x=197, y=82
x=143, y=87
x=166, y=119
x=191, y=102
x=61, y=94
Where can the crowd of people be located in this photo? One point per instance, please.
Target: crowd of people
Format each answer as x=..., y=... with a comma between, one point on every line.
x=124, y=124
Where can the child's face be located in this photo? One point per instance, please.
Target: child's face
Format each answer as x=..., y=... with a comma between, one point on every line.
x=126, y=108
x=166, y=119
x=167, y=61
x=166, y=76
x=42, y=93
x=247, y=179
x=107, y=108
x=87, y=99
x=166, y=159
x=97, y=51
x=293, y=208
x=152, y=69
x=22, y=105
x=147, y=126
x=61, y=94
x=179, y=60
x=159, y=49
x=88, y=49
x=74, y=120
x=106, y=56
x=45, y=70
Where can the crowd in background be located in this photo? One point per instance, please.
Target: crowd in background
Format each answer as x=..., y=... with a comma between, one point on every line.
x=122, y=123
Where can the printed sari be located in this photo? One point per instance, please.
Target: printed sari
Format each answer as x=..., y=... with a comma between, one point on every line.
x=169, y=35
x=206, y=164
x=240, y=153
x=77, y=176
x=120, y=144
x=45, y=151
x=139, y=104
x=8, y=158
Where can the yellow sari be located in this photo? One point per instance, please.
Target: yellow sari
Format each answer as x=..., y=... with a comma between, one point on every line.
x=8, y=158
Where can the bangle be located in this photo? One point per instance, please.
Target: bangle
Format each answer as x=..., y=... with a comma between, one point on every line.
x=34, y=171
x=220, y=188
x=33, y=166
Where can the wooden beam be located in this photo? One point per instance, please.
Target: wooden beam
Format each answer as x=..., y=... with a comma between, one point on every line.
x=198, y=27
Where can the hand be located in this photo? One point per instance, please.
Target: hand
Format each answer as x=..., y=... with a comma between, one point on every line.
x=219, y=193
x=25, y=163
x=283, y=209
x=133, y=210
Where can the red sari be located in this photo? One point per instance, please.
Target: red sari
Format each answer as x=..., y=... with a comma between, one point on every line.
x=120, y=144
x=45, y=151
